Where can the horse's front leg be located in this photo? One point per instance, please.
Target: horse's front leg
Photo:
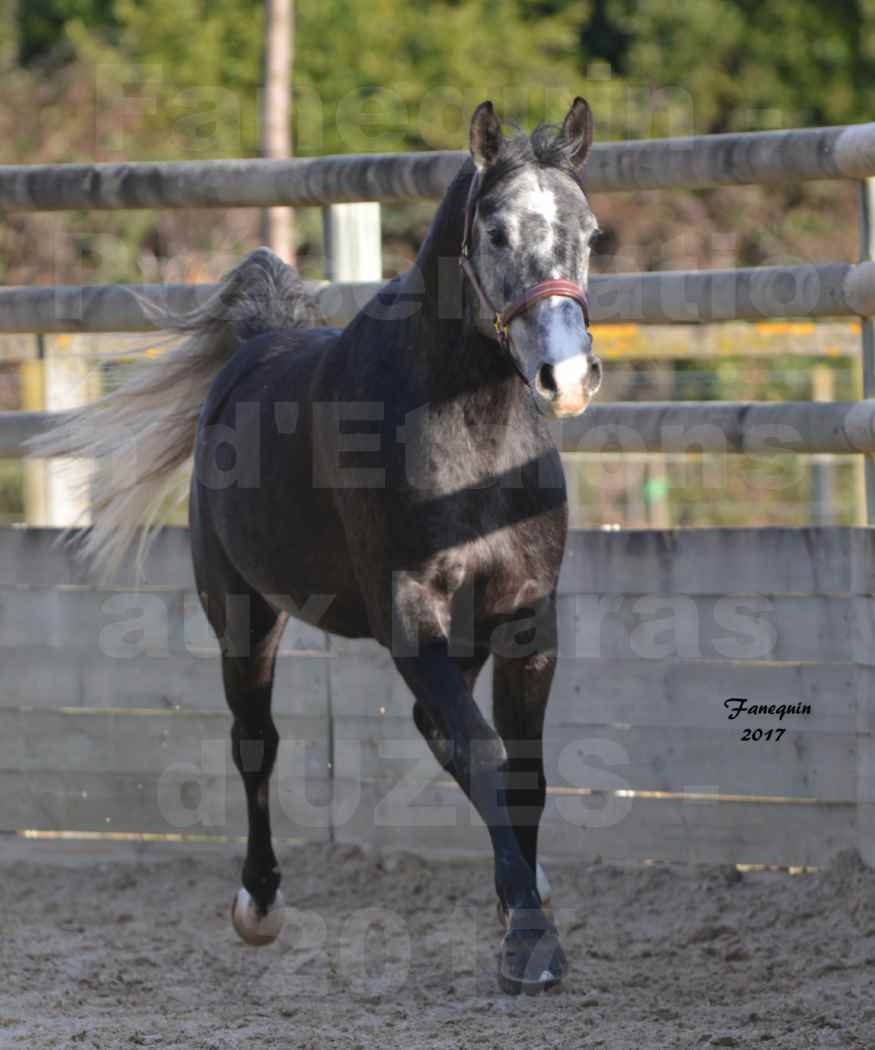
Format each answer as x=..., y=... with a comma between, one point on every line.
x=530, y=957
x=520, y=690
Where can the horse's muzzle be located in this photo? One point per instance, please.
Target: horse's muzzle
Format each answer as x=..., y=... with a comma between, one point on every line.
x=564, y=390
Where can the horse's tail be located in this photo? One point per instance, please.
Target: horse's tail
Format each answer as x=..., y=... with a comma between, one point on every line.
x=141, y=435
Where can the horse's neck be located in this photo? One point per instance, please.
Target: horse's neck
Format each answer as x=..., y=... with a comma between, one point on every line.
x=455, y=362
x=437, y=259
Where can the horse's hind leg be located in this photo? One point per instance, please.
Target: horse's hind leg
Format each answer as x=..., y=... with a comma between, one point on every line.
x=249, y=632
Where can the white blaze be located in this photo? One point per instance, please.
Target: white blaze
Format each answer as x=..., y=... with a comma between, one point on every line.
x=533, y=198
x=564, y=340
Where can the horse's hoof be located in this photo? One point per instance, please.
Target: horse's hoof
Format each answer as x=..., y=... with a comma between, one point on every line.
x=530, y=959
x=253, y=927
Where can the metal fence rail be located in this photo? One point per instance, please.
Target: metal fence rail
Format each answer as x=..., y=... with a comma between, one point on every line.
x=696, y=161
x=828, y=289
x=698, y=296
x=743, y=427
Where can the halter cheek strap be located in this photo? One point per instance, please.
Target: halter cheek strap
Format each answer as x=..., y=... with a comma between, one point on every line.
x=542, y=290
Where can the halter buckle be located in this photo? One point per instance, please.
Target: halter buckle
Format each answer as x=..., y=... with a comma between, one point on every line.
x=501, y=329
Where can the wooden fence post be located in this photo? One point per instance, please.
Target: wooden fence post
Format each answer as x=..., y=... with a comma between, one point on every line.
x=278, y=224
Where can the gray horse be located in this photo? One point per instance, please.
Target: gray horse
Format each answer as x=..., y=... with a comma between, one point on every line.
x=441, y=536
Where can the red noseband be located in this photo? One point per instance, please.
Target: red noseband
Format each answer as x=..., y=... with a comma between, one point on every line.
x=542, y=290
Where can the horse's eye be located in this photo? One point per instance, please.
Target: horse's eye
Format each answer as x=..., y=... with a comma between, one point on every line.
x=497, y=237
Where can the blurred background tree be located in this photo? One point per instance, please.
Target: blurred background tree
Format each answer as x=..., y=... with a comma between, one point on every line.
x=165, y=79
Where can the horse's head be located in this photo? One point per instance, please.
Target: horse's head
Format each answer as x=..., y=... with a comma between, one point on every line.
x=525, y=251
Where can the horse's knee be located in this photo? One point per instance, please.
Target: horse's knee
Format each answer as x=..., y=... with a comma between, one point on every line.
x=460, y=739
x=422, y=604
x=434, y=736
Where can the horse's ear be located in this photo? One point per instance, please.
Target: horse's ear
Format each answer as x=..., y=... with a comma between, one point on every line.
x=577, y=130
x=485, y=136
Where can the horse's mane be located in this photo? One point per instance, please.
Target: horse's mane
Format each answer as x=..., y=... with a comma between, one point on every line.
x=546, y=146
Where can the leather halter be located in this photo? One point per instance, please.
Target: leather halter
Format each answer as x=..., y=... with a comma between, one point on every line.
x=541, y=290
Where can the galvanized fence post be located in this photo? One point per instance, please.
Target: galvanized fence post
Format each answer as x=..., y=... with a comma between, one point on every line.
x=867, y=325
x=353, y=248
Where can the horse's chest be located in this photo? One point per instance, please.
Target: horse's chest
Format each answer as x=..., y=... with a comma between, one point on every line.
x=501, y=531
x=513, y=566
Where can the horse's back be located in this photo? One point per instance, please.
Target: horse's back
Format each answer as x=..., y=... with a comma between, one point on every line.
x=282, y=363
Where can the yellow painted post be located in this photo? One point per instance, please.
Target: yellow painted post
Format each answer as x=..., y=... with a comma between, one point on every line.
x=33, y=399
x=56, y=491
x=656, y=486
x=822, y=487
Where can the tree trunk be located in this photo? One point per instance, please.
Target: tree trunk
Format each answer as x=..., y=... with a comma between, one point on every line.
x=277, y=224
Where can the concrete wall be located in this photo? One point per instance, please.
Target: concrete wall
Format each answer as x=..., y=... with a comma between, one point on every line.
x=113, y=717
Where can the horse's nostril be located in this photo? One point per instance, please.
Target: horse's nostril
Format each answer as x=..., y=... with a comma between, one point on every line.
x=547, y=381
x=594, y=379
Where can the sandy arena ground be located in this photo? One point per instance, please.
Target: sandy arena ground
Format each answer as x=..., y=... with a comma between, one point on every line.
x=107, y=945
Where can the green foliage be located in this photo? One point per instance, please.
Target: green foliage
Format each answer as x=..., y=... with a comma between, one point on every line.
x=401, y=74
x=197, y=66
x=355, y=93
x=11, y=491
x=188, y=74
x=42, y=23
x=753, y=63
